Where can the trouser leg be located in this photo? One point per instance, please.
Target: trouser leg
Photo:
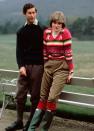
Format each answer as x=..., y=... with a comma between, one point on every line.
x=36, y=76
x=21, y=96
x=32, y=111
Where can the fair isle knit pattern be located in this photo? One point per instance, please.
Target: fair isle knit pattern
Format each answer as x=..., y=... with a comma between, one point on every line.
x=59, y=47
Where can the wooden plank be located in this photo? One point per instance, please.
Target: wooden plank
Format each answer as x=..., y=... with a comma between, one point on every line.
x=81, y=81
x=7, y=74
x=76, y=103
x=77, y=97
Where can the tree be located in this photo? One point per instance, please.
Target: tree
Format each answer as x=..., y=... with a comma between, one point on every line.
x=89, y=28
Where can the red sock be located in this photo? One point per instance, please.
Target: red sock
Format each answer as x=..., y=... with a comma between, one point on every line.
x=42, y=105
x=51, y=106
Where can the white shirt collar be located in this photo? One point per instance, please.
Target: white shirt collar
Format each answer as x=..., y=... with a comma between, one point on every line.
x=35, y=22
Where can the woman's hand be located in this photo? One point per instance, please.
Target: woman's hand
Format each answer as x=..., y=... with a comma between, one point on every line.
x=22, y=71
x=69, y=77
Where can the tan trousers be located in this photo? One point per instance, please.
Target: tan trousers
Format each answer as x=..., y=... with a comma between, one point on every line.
x=54, y=78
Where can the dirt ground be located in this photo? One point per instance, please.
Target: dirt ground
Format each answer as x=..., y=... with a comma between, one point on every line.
x=58, y=124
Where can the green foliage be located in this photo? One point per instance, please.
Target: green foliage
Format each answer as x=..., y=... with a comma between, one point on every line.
x=89, y=30
x=9, y=27
x=83, y=28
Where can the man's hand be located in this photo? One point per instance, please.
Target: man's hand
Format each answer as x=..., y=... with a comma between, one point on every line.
x=22, y=71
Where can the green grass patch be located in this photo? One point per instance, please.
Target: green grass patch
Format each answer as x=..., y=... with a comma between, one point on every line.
x=83, y=52
x=7, y=52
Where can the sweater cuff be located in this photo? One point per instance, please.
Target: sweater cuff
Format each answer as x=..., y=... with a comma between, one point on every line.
x=71, y=67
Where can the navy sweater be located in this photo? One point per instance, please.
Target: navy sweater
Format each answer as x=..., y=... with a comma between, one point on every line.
x=29, y=48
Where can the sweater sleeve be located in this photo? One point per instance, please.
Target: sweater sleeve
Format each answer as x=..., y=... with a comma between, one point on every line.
x=68, y=49
x=19, y=50
x=45, y=46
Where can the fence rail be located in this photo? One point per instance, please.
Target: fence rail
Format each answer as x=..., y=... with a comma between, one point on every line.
x=7, y=84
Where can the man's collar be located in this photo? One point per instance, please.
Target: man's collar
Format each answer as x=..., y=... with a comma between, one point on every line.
x=35, y=22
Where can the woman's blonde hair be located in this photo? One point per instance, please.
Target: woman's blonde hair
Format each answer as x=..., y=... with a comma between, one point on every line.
x=58, y=16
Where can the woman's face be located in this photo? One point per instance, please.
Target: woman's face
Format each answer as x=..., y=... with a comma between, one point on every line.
x=56, y=26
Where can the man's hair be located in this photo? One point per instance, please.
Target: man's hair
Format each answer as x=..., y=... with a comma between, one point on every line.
x=28, y=6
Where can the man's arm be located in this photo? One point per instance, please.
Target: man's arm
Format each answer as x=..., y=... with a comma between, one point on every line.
x=19, y=55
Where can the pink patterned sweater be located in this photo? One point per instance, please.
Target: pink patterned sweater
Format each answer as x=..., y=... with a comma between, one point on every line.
x=59, y=47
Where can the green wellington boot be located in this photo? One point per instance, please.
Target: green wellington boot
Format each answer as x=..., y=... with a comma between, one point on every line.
x=47, y=119
x=36, y=120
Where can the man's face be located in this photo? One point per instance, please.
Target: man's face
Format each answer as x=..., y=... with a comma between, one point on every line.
x=31, y=15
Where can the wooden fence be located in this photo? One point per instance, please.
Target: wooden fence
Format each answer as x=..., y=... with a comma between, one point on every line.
x=9, y=77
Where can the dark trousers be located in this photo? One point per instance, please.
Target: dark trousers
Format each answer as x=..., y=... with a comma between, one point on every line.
x=28, y=84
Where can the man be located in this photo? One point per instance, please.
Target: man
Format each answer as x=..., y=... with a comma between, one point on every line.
x=29, y=54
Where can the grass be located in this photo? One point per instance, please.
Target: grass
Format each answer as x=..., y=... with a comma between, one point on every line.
x=83, y=54
x=84, y=58
x=7, y=52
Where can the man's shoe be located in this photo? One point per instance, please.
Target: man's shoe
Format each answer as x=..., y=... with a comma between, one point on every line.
x=15, y=126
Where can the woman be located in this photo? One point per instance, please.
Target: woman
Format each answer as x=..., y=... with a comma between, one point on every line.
x=58, y=70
